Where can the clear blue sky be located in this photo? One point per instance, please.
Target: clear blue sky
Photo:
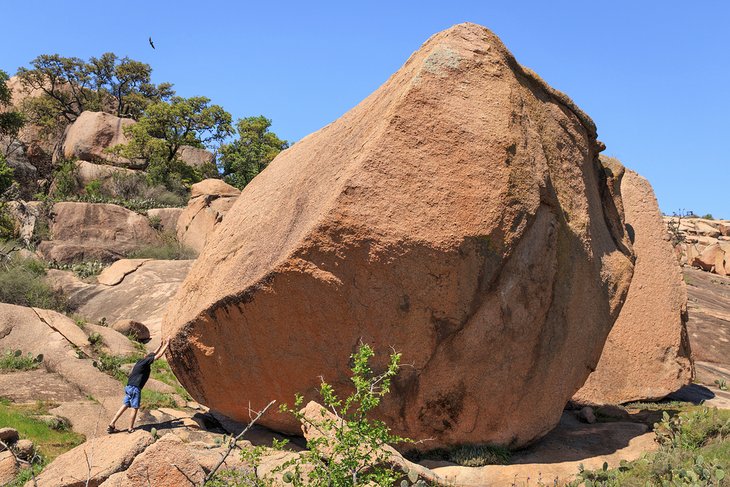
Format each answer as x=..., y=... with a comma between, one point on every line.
x=654, y=75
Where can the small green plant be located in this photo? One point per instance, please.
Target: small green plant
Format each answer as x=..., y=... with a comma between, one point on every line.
x=95, y=338
x=93, y=188
x=65, y=180
x=721, y=384
x=155, y=222
x=351, y=448
x=15, y=360
x=112, y=364
x=82, y=269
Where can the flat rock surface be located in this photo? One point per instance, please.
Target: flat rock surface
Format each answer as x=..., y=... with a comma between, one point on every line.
x=37, y=385
x=558, y=455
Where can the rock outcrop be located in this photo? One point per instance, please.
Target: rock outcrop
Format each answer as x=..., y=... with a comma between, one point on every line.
x=459, y=214
x=209, y=201
x=647, y=353
x=165, y=219
x=95, y=231
x=93, y=462
x=130, y=289
x=701, y=242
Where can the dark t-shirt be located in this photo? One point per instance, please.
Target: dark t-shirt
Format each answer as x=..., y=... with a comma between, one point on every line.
x=141, y=371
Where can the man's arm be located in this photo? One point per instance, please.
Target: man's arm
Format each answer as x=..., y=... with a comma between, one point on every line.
x=161, y=349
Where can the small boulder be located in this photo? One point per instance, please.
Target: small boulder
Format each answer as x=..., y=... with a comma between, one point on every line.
x=24, y=449
x=93, y=132
x=133, y=329
x=712, y=258
x=213, y=187
x=586, y=415
x=195, y=157
x=9, y=435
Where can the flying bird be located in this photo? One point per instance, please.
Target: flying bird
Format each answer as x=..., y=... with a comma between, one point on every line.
x=152, y=43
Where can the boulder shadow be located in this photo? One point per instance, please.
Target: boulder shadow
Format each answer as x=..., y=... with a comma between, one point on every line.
x=694, y=393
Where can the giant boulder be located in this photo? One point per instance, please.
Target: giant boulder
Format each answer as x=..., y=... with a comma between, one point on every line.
x=459, y=214
x=647, y=354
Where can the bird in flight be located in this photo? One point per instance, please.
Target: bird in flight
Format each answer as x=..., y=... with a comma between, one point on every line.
x=152, y=43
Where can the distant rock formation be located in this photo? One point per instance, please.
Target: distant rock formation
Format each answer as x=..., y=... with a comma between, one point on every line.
x=458, y=214
x=701, y=242
x=647, y=354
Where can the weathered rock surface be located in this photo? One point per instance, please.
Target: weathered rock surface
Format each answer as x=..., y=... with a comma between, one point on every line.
x=193, y=156
x=106, y=454
x=24, y=216
x=110, y=177
x=647, y=353
x=8, y=467
x=25, y=173
x=210, y=200
x=166, y=463
x=95, y=231
x=37, y=332
x=709, y=324
x=92, y=133
x=141, y=295
x=459, y=214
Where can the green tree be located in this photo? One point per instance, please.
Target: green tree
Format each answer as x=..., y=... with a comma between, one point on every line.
x=11, y=121
x=70, y=85
x=254, y=149
x=167, y=126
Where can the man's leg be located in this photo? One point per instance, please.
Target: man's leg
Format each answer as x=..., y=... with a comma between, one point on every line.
x=119, y=413
x=134, y=416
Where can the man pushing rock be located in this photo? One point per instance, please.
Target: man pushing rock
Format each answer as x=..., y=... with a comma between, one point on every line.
x=137, y=379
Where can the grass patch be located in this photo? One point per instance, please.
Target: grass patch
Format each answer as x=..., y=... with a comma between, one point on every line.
x=155, y=400
x=112, y=364
x=15, y=360
x=466, y=455
x=168, y=249
x=48, y=442
x=22, y=282
x=161, y=371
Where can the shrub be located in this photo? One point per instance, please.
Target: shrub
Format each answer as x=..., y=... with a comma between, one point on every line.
x=65, y=180
x=169, y=249
x=22, y=282
x=353, y=442
x=81, y=269
x=15, y=360
x=93, y=188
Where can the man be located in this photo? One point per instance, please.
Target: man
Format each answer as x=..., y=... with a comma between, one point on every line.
x=137, y=379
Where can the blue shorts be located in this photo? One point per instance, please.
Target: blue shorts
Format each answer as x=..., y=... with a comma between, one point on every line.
x=132, y=396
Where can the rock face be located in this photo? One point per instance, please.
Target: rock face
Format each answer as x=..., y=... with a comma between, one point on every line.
x=701, y=243
x=209, y=201
x=95, y=231
x=24, y=172
x=459, y=214
x=647, y=354
x=139, y=291
x=91, y=133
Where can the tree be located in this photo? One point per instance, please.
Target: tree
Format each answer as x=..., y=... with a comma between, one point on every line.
x=70, y=85
x=10, y=121
x=167, y=126
x=254, y=149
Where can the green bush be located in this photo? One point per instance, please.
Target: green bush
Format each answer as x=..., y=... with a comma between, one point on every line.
x=65, y=180
x=6, y=175
x=22, y=282
x=15, y=360
x=353, y=442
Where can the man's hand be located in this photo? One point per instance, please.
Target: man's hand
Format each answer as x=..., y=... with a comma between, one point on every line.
x=161, y=349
